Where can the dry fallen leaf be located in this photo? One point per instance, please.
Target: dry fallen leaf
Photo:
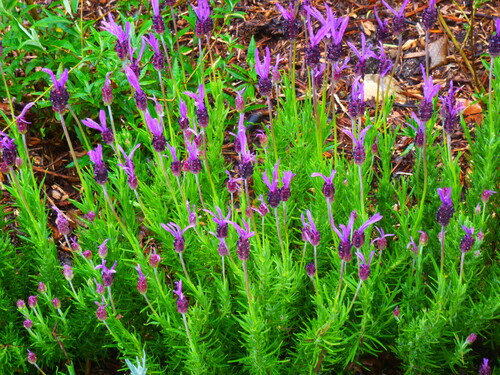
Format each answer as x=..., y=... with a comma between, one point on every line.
x=372, y=90
x=411, y=43
x=472, y=112
x=368, y=27
x=438, y=51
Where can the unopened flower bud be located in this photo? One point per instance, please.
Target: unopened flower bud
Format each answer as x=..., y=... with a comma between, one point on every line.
x=28, y=323
x=56, y=303
x=310, y=269
x=32, y=301
x=68, y=272
x=42, y=288
x=396, y=311
x=31, y=357
x=87, y=254
x=471, y=338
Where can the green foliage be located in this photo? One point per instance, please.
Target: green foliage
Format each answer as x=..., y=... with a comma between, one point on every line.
x=264, y=314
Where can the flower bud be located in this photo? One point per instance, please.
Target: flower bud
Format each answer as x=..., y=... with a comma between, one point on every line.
x=42, y=288
x=28, y=323
x=311, y=269
x=68, y=272
x=31, y=357
x=471, y=338
x=32, y=301
x=87, y=254
x=56, y=303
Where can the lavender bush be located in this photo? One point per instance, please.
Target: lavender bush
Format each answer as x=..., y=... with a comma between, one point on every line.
x=193, y=242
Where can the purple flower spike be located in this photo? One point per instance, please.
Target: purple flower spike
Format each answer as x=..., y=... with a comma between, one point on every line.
x=446, y=210
x=338, y=68
x=199, y=102
x=494, y=47
x=363, y=55
x=468, y=240
x=59, y=95
x=291, y=23
x=183, y=119
x=309, y=227
x=243, y=243
x=101, y=313
x=100, y=169
x=385, y=64
x=221, y=221
x=9, y=151
x=239, y=102
x=129, y=168
x=285, y=189
x=158, y=59
x=450, y=110
x=344, y=234
x=158, y=24
x=430, y=91
x=22, y=124
x=204, y=24
x=178, y=234
x=338, y=27
x=485, y=368
x=313, y=53
x=182, y=301
x=359, y=152
x=107, y=91
x=156, y=128
x=245, y=167
x=62, y=222
x=356, y=106
x=398, y=21
x=263, y=69
x=142, y=283
x=317, y=74
x=420, y=131
x=328, y=188
x=232, y=184
x=134, y=62
x=383, y=33
x=381, y=242
x=107, y=273
x=102, y=249
x=191, y=209
x=121, y=35
x=106, y=133
x=263, y=210
x=485, y=197
x=364, y=267
x=273, y=196
x=429, y=15
x=140, y=97
x=175, y=166
x=275, y=74
x=358, y=236
x=194, y=162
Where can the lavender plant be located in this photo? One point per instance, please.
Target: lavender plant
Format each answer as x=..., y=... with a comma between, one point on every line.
x=240, y=293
